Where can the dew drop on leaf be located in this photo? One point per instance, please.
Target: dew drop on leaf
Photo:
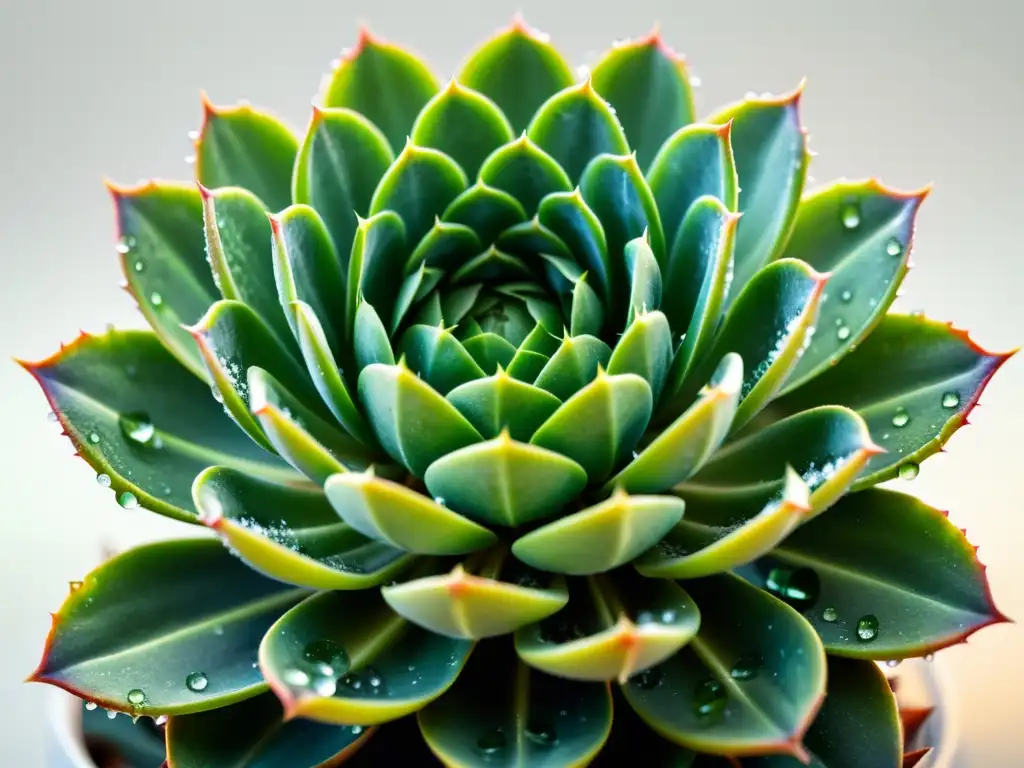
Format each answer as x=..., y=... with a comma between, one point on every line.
x=901, y=418
x=709, y=699
x=139, y=265
x=542, y=733
x=909, y=471
x=798, y=587
x=929, y=657
x=846, y=296
x=492, y=742
x=325, y=658
x=196, y=682
x=111, y=714
x=74, y=586
x=645, y=617
x=94, y=438
x=325, y=686
x=894, y=247
x=51, y=417
x=91, y=706
x=136, y=697
x=892, y=663
x=829, y=615
x=668, y=616
x=128, y=500
x=849, y=214
x=103, y=479
x=746, y=667
x=867, y=628
x=137, y=428
x=843, y=332
x=950, y=400
x=156, y=299
x=296, y=677
x=650, y=678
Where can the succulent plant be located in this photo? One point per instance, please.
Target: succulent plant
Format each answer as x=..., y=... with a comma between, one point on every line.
x=504, y=401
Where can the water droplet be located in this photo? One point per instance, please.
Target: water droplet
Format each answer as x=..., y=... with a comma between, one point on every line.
x=650, y=678
x=217, y=394
x=645, y=617
x=829, y=615
x=136, y=697
x=846, y=296
x=156, y=299
x=74, y=586
x=695, y=81
x=218, y=631
x=190, y=160
x=909, y=471
x=296, y=677
x=894, y=247
x=325, y=686
x=139, y=265
x=52, y=417
x=798, y=587
x=542, y=733
x=193, y=135
x=128, y=500
x=893, y=663
x=950, y=400
x=94, y=437
x=439, y=500
x=746, y=667
x=91, y=706
x=929, y=657
x=196, y=682
x=103, y=479
x=867, y=628
x=849, y=214
x=843, y=332
x=138, y=428
x=709, y=699
x=356, y=729
x=111, y=714
x=492, y=742
x=901, y=418
x=668, y=616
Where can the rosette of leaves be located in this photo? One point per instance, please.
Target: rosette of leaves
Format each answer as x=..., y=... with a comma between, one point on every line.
x=507, y=399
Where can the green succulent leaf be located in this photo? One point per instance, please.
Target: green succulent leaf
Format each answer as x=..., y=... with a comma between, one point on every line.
x=694, y=162
x=254, y=734
x=143, y=421
x=933, y=378
x=248, y=148
x=491, y=266
x=572, y=221
x=858, y=723
x=490, y=351
x=644, y=277
x=397, y=515
x=645, y=348
x=519, y=69
x=716, y=537
x=861, y=234
x=162, y=250
x=587, y=313
x=572, y=366
x=886, y=575
x=502, y=402
x=737, y=688
x=379, y=253
x=464, y=124
x=345, y=658
x=505, y=482
x=770, y=150
x=446, y=246
x=601, y=537
x=384, y=82
x=648, y=86
x=488, y=211
x=414, y=423
x=599, y=426
x=418, y=187
x=474, y=605
x=530, y=238
x=437, y=357
x=370, y=338
x=526, y=172
x=691, y=440
x=525, y=726
x=141, y=625
x=290, y=532
x=342, y=158
x=611, y=631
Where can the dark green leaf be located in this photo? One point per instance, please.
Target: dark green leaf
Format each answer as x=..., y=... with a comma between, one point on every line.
x=371, y=341
x=587, y=314
x=491, y=265
x=446, y=246
x=438, y=358
x=573, y=366
x=503, y=402
x=644, y=279
x=490, y=351
x=531, y=238
x=572, y=221
x=645, y=348
x=488, y=211
x=380, y=248
x=526, y=172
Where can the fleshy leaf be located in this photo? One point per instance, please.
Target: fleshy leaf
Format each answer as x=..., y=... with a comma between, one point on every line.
x=245, y=147
x=601, y=537
x=519, y=69
x=576, y=125
x=490, y=351
x=290, y=532
x=140, y=625
x=525, y=725
x=162, y=250
x=370, y=338
x=695, y=161
x=882, y=576
x=464, y=124
x=526, y=172
x=648, y=86
x=142, y=420
x=599, y=426
x=737, y=688
x=487, y=210
x=393, y=513
x=572, y=366
x=379, y=252
x=384, y=82
x=340, y=163
x=254, y=733
x=446, y=246
x=683, y=447
x=345, y=658
x=505, y=482
x=572, y=221
x=502, y=402
x=438, y=358
x=933, y=377
x=770, y=151
x=645, y=348
x=491, y=266
x=587, y=315
x=861, y=234
x=530, y=238
x=611, y=629
x=644, y=279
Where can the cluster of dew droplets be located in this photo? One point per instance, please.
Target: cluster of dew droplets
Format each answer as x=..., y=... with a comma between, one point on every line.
x=539, y=732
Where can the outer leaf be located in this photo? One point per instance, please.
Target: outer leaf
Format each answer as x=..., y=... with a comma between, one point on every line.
x=695, y=161
x=501, y=402
x=526, y=172
x=519, y=69
x=161, y=246
x=344, y=658
x=572, y=221
x=412, y=421
x=738, y=688
x=107, y=390
x=418, y=187
x=396, y=515
x=572, y=366
x=887, y=556
x=861, y=234
x=770, y=149
x=141, y=622
x=291, y=533
x=384, y=82
x=379, y=251
x=576, y=125
x=244, y=147
x=601, y=537
x=504, y=482
x=488, y=211
x=464, y=124
x=934, y=376
x=645, y=348
x=341, y=160
x=523, y=727
x=254, y=734
x=648, y=86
